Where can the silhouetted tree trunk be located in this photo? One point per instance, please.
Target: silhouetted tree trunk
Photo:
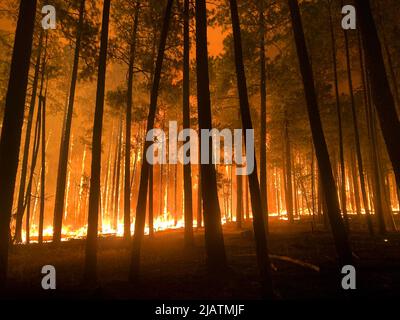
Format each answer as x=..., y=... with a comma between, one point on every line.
x=376, y=187
x=187, y=170
x=144, y=174
x=329, y=188
x=388, y=57
x=239, y=201
x=43, y=173
x=43, y=149
x=90, y=272
x=339, y=115
x=381, y=93
x=35, y=152
x=357, y=135
x=263, y=113
x=355, y=183
x=118, y=176
x=151, y=199
x=288, y=172
x=214, y=241
x=24, y=167
x=127, y=181
x=199, y=202
x=376, y=170
x=113, y=204
x=246, y=188
x=66, y=135
x=263, y=261
x=12, y=124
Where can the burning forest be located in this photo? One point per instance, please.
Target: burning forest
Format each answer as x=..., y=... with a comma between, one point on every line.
x=187, y=150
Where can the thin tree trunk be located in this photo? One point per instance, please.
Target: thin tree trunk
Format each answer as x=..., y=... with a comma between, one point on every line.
x=43, y=155
x=127, y=188
x=118, y=177
x=288, y=172
x=263, y=261
x=377, y=191
x=330, y=193
x=65, y=137
x=187, y=170
x=90, y=271
x=144, y=174
x=355, y=183
x=339, y=115
x=151, y=202
x=239, y=201
x=199, y=202
x=24, y=167
x=263, y=107
x=357, y=136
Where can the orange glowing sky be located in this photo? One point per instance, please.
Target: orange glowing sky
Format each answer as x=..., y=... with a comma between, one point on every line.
x=216, y=35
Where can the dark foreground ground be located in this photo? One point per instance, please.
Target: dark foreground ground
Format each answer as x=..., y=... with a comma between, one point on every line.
x=303, y=267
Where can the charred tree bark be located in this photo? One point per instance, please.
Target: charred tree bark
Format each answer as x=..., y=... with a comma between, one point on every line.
x=90, y=271
x=329, y=188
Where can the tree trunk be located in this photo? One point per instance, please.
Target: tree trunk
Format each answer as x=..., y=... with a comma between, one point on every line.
x=357, y=135
x=339, y=115
x=187, y=170
x=263, y=113
x=370, y=120
x=239, y=201
x=127, y=186
x=65, y=137
x=43, y=155
x=24, y=167
x=263, y=261
x=118, y=177
x=288, y=172
x=214, y=241
x=144, y=174
x=329, y=188
x=381, y=93
x=199, y=202
x=355, y=183
x=12, y=124
x=151, y=202
x=90, y=272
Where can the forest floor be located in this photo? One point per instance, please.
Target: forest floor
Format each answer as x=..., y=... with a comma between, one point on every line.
x=303, y=258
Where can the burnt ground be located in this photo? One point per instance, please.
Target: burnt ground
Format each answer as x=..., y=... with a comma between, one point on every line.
x=304, y=266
